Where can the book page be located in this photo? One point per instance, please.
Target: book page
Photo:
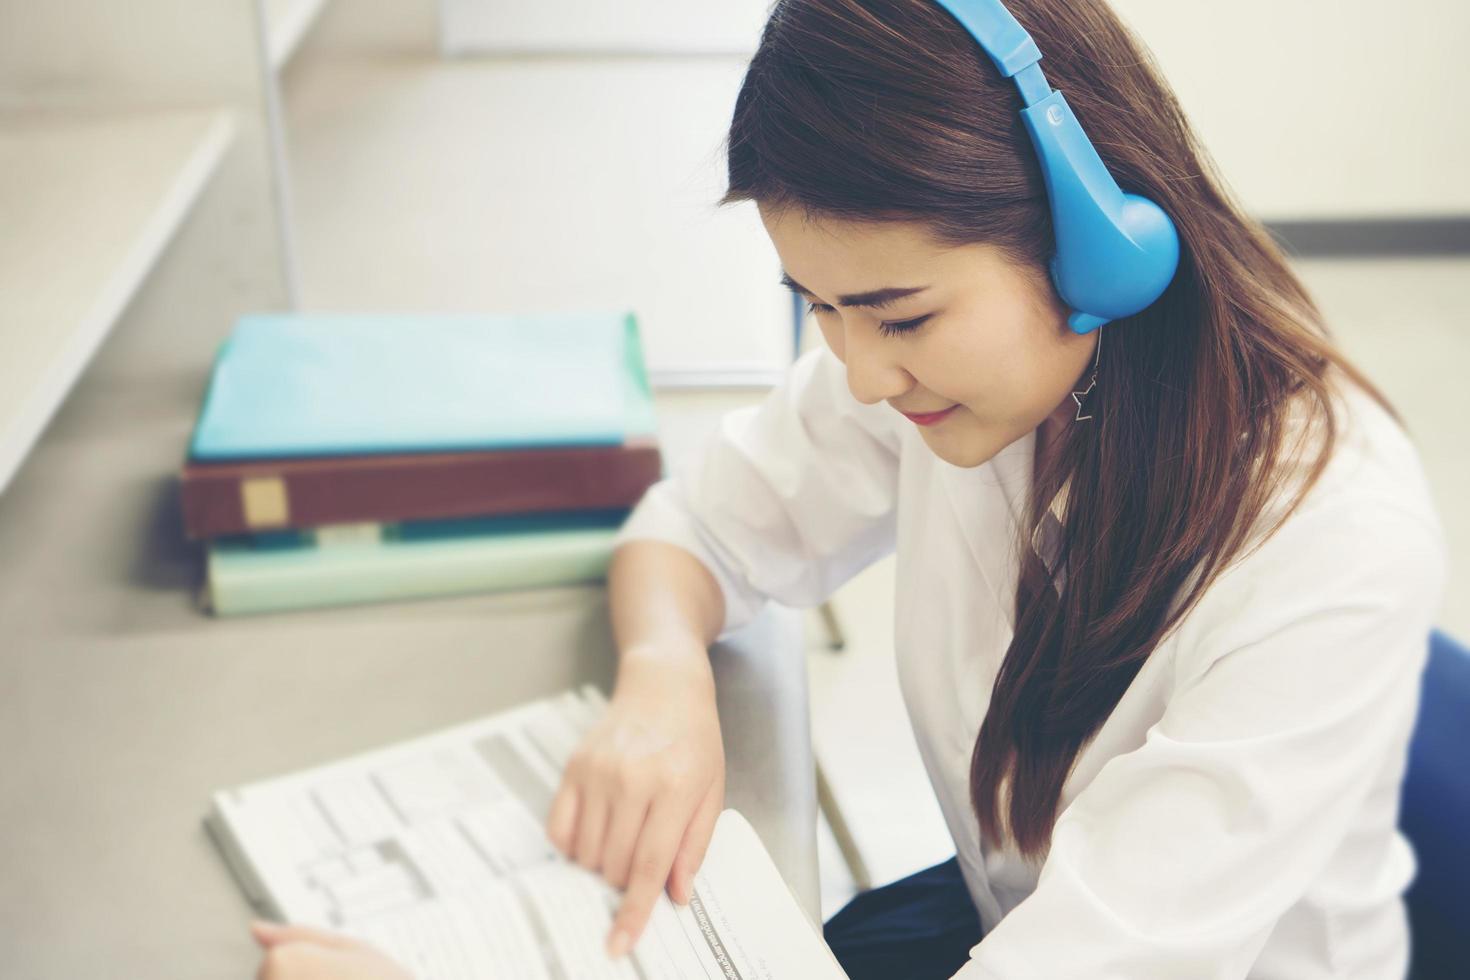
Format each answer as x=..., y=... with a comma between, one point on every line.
x=435, y=851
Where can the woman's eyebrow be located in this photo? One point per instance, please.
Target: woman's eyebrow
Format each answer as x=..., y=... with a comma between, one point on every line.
x=874, y=299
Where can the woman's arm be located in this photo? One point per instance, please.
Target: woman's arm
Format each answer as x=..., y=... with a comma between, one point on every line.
x=640, y=797
x=785, y=501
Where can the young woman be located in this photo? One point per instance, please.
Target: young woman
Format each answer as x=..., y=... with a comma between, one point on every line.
x=1165, y=577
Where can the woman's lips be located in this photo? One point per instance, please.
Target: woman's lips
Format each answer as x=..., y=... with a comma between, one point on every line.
x=931, y=418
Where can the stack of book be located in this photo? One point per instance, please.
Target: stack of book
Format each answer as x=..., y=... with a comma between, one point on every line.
x=344, y=459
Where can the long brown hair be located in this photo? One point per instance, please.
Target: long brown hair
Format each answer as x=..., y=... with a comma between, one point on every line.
x=887, y=110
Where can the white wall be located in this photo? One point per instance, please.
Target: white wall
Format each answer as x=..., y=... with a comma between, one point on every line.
x=156, y=52
x=1313, y=108
x=630, y=25
x=115, y=121
x=83, y=57
x=1324, y=108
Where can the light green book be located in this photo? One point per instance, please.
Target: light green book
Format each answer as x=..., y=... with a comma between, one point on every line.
x=379, y=563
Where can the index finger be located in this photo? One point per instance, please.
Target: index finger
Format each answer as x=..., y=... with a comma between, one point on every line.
x=561, y=821
x=653, y=858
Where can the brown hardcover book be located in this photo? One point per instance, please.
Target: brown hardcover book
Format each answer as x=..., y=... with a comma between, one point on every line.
x=226, y=498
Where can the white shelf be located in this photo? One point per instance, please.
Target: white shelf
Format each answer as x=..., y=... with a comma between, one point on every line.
x=287, y=22
x=90, y=201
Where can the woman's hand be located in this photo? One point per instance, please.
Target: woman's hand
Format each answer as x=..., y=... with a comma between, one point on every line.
x=300, y=953
x=640, y=797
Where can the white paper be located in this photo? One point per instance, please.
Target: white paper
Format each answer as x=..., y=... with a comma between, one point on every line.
x=434, y=850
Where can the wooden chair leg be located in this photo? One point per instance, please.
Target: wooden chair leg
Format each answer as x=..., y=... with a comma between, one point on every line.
x=836, y=639
x=853, y=857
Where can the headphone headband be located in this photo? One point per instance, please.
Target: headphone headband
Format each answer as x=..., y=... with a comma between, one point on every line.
x=997, y=32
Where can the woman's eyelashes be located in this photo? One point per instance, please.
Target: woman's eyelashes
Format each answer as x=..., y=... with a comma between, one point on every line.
x=885, y=328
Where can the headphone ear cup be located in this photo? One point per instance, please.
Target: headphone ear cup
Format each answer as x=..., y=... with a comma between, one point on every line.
x=1124, y=277
x=1116, y=253
x=1153, y=234
x=1113, y=262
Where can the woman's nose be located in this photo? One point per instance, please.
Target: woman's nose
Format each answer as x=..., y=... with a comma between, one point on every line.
x=873, y=374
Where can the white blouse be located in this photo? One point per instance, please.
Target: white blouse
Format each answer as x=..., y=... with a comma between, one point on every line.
x=1236, y=815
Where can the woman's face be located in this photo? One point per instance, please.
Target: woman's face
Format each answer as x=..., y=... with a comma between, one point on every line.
x=993, y=349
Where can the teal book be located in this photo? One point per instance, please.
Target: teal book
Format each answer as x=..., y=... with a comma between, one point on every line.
x=313, y=385
x=354, y=564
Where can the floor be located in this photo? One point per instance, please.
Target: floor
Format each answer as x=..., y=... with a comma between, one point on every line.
x=378, y=150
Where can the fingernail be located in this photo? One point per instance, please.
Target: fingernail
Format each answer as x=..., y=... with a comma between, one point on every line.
x=619, y=945
x=264, y=932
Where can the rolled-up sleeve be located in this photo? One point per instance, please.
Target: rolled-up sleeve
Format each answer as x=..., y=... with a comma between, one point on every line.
x=1295, y=678
x=787, y=499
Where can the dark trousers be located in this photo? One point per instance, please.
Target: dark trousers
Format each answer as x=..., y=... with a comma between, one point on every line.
x=918, y=928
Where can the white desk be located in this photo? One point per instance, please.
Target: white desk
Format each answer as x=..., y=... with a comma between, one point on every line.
x=122, y=707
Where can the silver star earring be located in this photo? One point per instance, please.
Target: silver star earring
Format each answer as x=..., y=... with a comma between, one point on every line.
x=1084, y=397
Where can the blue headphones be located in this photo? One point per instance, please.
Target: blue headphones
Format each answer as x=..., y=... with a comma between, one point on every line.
x=1116, y=252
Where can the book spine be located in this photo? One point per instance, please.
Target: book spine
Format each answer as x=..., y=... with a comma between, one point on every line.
x=243, y=579
x=224, y=499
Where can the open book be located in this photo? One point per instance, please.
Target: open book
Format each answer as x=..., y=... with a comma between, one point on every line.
x=434, y=850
